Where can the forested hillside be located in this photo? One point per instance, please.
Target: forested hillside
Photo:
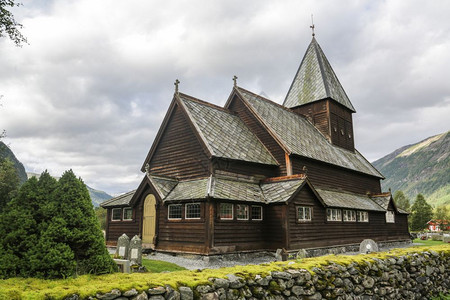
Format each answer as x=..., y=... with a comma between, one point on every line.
x=423, y=167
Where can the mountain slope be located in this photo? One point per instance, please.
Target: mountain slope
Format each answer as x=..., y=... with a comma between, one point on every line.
x=423, y=167
x=5, y=152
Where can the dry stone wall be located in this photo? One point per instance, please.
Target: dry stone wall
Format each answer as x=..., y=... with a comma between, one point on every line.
x=413, y=276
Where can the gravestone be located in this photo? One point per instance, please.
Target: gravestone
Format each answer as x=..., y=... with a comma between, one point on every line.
x=123, y=243
x=135, y=251
x=302, y=253
x=368, y=246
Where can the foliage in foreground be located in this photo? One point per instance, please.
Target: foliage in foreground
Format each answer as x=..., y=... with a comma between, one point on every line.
x=50, y=230
x=87, y=285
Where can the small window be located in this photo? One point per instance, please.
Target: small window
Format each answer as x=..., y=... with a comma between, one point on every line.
x=349, y=215
x=116, y=214
x=175, y=211
x=390, y=216
x=362, y=216
x=127, y=214
x=334, y=214
x=257, y=213
x=193, y=211
x=242, y=212
x=226, y=211
x=304, y=213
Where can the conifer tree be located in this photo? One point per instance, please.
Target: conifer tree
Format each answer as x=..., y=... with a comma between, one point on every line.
x=402, y=201
x=421, y=213
x=9, y=182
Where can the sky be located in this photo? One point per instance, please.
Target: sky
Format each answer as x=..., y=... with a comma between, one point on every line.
x=90, y=90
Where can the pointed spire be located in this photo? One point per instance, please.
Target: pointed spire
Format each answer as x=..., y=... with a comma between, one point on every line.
x=315, y=80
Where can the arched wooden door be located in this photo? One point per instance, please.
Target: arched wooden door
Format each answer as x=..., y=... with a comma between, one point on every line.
x=149, y=222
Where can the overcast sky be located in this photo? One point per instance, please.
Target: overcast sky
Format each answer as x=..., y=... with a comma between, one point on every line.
x=90, y=90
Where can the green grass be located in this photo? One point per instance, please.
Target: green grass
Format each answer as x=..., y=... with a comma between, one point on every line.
x=157, y=266
x=429, y=242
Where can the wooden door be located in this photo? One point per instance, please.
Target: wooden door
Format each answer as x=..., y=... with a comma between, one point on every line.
x=149, y=224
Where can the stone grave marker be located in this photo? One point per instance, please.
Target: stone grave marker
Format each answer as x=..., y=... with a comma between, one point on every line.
x=368, y=246
x=135, y=250
x=123, y=243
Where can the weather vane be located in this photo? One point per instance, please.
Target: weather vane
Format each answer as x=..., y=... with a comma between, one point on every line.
x=312, y=26
x=235, y=80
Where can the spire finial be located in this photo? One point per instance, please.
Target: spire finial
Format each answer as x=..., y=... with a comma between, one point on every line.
x=312, y=26
x=177, y=82
x=235, y=80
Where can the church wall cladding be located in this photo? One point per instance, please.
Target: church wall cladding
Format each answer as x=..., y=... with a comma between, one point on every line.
x=255, y=126
x=325, y=175
x=183, y=235
x=244, y=168
x=179, y=153
x=116, y=228
x=322, y=233
x=239, y=235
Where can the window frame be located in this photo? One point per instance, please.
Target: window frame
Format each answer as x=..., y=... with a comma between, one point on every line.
x=220, y=211
x=168, y=212
x=362, y=212
x=345, y=215
x=112, y=214
x=390, y=213
x=260, y=210
x=339, y=214
x=199, y=211
x=246, y=210
x=123, y=213
x=303, y=208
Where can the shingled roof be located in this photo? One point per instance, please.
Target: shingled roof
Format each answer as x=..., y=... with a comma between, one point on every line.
x=348, y=200
x=225, y=134
x=300, y=137
x=121, y=200
x=315, y=80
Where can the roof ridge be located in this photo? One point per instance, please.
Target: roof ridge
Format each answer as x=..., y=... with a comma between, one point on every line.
x=203, y=102
x=284, y=178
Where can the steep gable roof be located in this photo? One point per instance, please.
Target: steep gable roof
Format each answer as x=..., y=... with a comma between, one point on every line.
x=225, y=134
x=300, y=137
x=315, y=80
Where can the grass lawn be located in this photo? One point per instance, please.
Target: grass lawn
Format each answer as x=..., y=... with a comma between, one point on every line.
x=157, y=266
x=429, y=242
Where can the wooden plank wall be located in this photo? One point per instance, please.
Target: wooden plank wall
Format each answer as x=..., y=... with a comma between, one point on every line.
x=116, y=228
x=179, y=153
x=249, y=169
x=324, y=175
x=274, y=233
x=341, y=126
x=181, y=235
x=255, y=126
x=321, y=233
x=244, y=234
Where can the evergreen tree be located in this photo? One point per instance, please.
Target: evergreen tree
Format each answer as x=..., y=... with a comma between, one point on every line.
x=421, y=213
x=49, y=230
x=86, y=240
x=9, y=182
x=402, y=201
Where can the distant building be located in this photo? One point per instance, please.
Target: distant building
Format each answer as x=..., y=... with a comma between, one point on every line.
x=438, y=225
x=256, y=175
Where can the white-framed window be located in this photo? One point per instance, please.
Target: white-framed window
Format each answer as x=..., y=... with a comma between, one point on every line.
x=175, y=211
x=349, y=215
x=127, y=214
x=390, y=216
x=116, y=214
x=192, y=211
x=226, y=211
x=362, y=216
x=334, y=214
x=257, y=213
x=242, y=212
x=304, y=213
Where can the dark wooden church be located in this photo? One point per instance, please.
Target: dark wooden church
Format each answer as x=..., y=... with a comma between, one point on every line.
x=256, y=175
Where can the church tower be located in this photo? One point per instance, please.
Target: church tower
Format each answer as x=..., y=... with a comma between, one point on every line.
x=317, y=94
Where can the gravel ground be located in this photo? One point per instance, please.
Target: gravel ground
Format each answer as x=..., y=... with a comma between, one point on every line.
x=194, y=262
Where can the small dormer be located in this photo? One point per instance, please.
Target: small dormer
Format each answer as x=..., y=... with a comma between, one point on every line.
x=317, y=94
